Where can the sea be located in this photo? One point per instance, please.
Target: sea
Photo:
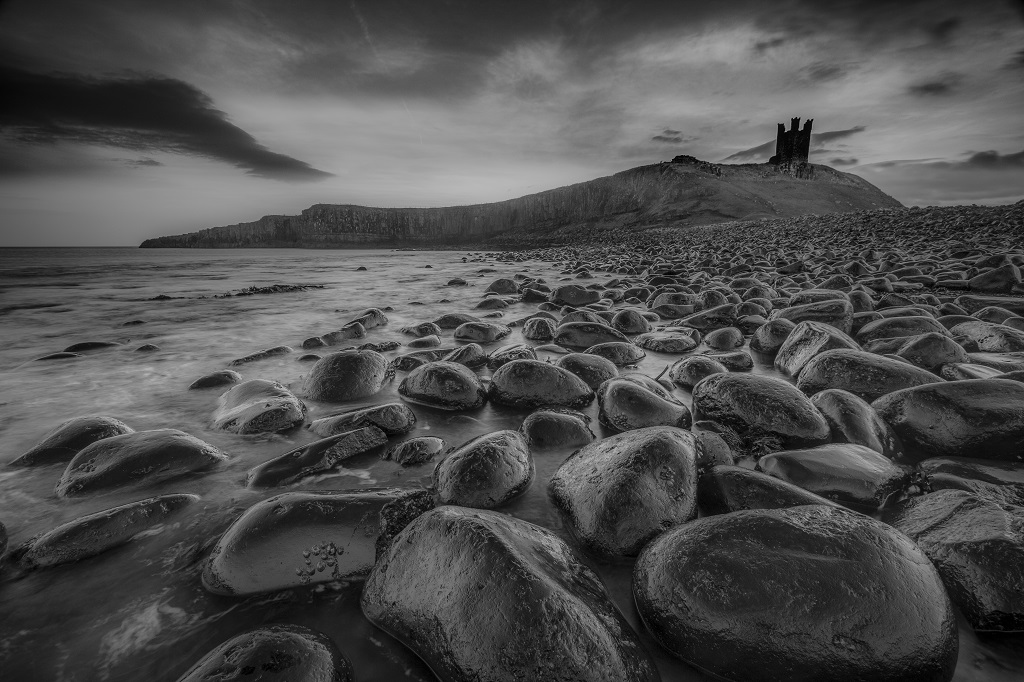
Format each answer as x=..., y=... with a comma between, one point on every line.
x=140, y=612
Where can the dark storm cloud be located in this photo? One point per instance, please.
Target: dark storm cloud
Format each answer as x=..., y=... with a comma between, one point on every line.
x=993, y=160
x=137, y=112
x=943, y=84
x=762, y=152
x=843, y=162
x=669, y=136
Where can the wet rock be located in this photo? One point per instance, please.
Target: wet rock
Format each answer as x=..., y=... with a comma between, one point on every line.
x=507, y=354
x=930, y=351
x=142, y=457
x=348, y=375
x=531, y=383
x=752, y=596
x=851, y=475
x=296, y=539
x=866, y=375
x=689, y=371
x=988, y=337
x=275, y=352
x=726, y=338
x=977, y=545
x=258, y=406
x=574, y=295
x=592, y=369
x=410, y=361
x=422, y=329
x=836, y=313
x=485, y=472
x=667, y=342
x=90, y=345
x=893, y=327
x=765, y=413
x=972, y=304
x=1001, y=482
x=852, y=420
x=481, y=332
x=724, y=489
x=445, y=386
x=274, y=652
x=352, y=330
x=586, y=334
x=629, y=402
x=308, y=357
x=147, y=348
x=999, y=280
x=64, y=442
x=399, y=513
x=415, y=451
x=619, y=353
x=492, y=303
x=59, y=356
x=393, y=419
x=717, y=317
x=769, y=337
x=977, y=418
x=539, y=329
x=471, y=355
x=371, y=318
x=556, y=429
x=734, y=361
x=503, y=286
x=382, y=347
x=314, y=458
x=630, y=321
x=484, y=563
x=313, y=342
x=96, y=533
x=425, y=342
x=454, y=320
x=457, y=282
x=807, y=340
x=618, y=494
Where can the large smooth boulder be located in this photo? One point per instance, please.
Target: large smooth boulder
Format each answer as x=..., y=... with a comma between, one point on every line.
x=725, y=488
x=809, y=593
x=770, y=336
x=574, y=295
x=930, y=351
x=853, y=420
x=394, y=419
x=894, y=327
x=636, y=401
x=586, y=334
x=67, y=440
x=296, y=539
x=592, y=369
x=619, y=353
x=766, y=414
x=273, y=653
x=977, y=545
x=481, y=332
x=142, y=457
x=807, y=340
x=1001, y=482
x=975, y=418
x=348, y=375
x=617, y=494
x=223, y=377
x=688, y=372
x=851, y=475
x=445, y=386
x=484, y=596
x=314, y=458
x=991, y=338
x=95, y=533
x=667, y=341
x=837, y=313
x=258, y=406
x=532, y=383
x=485, y=472
x=556, y=429
x=866, y=375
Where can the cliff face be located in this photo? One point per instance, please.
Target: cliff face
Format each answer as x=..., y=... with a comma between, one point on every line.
x=687, y=193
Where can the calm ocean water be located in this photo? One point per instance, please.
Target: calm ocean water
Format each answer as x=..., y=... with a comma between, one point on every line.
x=139, y=611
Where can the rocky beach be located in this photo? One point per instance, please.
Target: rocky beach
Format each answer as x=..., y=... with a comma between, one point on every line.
x=763, y=450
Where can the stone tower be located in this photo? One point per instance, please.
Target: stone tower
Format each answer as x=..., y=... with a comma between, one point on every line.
x=792, y=146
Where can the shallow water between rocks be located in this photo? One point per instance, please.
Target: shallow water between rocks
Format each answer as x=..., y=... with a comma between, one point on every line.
x=140, y=611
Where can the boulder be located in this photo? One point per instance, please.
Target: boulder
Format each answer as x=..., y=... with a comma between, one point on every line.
x=455, y=320
x=734, y=361
x=67, y=440
x=620, y=353
x=503, y=286
x=224, y=377
x=808, y=593
x=574, y=295
x=977, y=545
x=852, y=420
x=393, y=419
x=471, y=355
x=484, y=596
x=770, y=336
x=445, y=386
x=556, y=429
x=635, y=401
x=485, y=472
x=141, y=457
x=988, y=337
x=766, y=414
x=629, y=321
x=894, y=327
x=422, y=329
x=296, y=539
x=371, y=318
x=273, y=652
x=274, y=352
x=586, y=334
x=807, y=340
x=95, y=533
x=837, y=313
x=726, y=338
x=976, y=418
x=592, y=369
x=258, y=406
x=724, y=489
x=481, y=332
x=667, y=342
x=866, y=375
x=851, y=475
x=348, y=375
x=314, y=458
x=688, y=372
x=930, y=351
x=539, y=329
x=1001, y=482
x=532, y=383
x=619, y=493
x=419, y=450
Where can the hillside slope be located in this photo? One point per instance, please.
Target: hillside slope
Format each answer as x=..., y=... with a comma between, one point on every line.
x=683, y=192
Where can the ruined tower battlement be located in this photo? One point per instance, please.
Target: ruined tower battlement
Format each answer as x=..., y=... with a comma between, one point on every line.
x=792, y=146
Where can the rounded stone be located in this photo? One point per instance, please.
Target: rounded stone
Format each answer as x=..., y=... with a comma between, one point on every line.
x=532, y=383
x=67, y=440
x=556, y=429
x=258, y=406
x=636, y=401
x=866, y=375
x=852, y=420
x=444, y=385
x=688, y=372
x=224, y=377
x=485, y=472
x=594, y=370
x=348, y=375
x=481, y=332
x=620, y=353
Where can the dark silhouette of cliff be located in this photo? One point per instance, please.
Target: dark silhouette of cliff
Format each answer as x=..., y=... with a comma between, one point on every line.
x=684, y=192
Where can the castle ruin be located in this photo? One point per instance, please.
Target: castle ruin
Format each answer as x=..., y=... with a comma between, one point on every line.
x=792, y=148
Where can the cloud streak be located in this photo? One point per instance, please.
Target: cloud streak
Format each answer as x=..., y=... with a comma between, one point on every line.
x=139, y=113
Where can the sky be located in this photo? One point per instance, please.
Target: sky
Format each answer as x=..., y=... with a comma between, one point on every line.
x=122, y=120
